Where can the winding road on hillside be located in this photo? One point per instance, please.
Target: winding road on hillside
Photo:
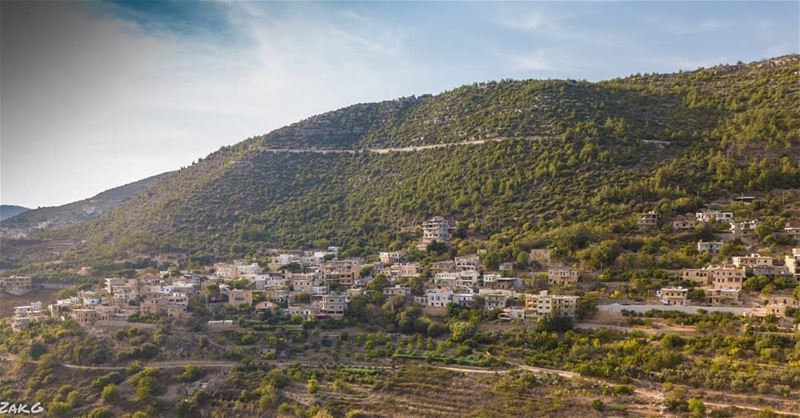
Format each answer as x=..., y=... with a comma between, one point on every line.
x=398, y=149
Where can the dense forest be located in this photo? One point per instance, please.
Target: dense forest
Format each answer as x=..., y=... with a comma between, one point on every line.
x=578, y=154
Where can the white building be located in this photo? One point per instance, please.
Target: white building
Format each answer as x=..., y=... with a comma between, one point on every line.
x=673, y=295
x=390, y=257
x=793, y=261
x=468, y=263
x=744, y=228
x=713, y=216
x=439, y=298
x=435, y=229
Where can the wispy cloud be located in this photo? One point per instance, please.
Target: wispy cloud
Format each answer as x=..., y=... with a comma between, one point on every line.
x=540, y=60
x=684, y=27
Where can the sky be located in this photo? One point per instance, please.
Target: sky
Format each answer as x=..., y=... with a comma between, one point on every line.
x=95, y=95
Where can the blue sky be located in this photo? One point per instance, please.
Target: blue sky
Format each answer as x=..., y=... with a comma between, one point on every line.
x=96, y=95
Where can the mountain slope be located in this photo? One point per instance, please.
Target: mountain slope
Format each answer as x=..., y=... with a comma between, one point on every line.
x=8, y=211
x=77, y=212
x=577, y=152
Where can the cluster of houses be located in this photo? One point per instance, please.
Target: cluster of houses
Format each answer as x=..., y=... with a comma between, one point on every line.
x=722, y=284
x=737, y=229
x=310, y=285
x=320, y=284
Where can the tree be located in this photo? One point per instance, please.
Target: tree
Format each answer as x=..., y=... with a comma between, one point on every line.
x=110, y=393
x=556, y=323
x=312, y=386
x=36, y=350
x=59, y=409
x=697, y=409
x=101, y=412
x=190, y=373
x=379, y=283
x=587, y=308
x=268, y=396
x=461, y=330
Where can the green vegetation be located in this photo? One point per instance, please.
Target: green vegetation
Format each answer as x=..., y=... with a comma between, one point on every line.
x=730, y=129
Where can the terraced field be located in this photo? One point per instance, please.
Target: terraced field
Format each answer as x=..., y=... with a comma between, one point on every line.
x=422, y=391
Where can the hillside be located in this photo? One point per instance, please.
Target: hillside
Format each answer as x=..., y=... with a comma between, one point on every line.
x=8, y=211
x=576, y=153
x=76, y=212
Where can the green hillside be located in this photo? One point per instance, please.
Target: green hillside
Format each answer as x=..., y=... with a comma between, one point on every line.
x=578, y=153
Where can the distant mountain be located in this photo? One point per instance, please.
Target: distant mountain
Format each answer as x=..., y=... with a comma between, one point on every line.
x=8, y=211
x=29, y=221
x=556, y=153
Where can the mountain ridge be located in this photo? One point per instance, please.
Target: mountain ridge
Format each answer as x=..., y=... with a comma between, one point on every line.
x=49, y=217
x=717, y=130
x=9, y=211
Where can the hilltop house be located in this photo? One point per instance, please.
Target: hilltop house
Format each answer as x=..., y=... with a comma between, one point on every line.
x=435, y=229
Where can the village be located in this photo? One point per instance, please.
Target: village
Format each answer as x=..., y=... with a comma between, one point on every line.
x=315, y=285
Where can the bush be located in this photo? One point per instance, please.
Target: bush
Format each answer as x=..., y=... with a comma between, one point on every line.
x=598, y=405
x=110, y=393
x=101, y=412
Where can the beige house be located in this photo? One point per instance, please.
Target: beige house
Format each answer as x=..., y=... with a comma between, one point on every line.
x=684, y=222
x=751, y=260
x=237, y=297
x=708, y=276
x=722, y=296
x=447, y=266
x=562, y=276
x=332, y=305
x=538, y=305
x=647, y=220
x=397, y=290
